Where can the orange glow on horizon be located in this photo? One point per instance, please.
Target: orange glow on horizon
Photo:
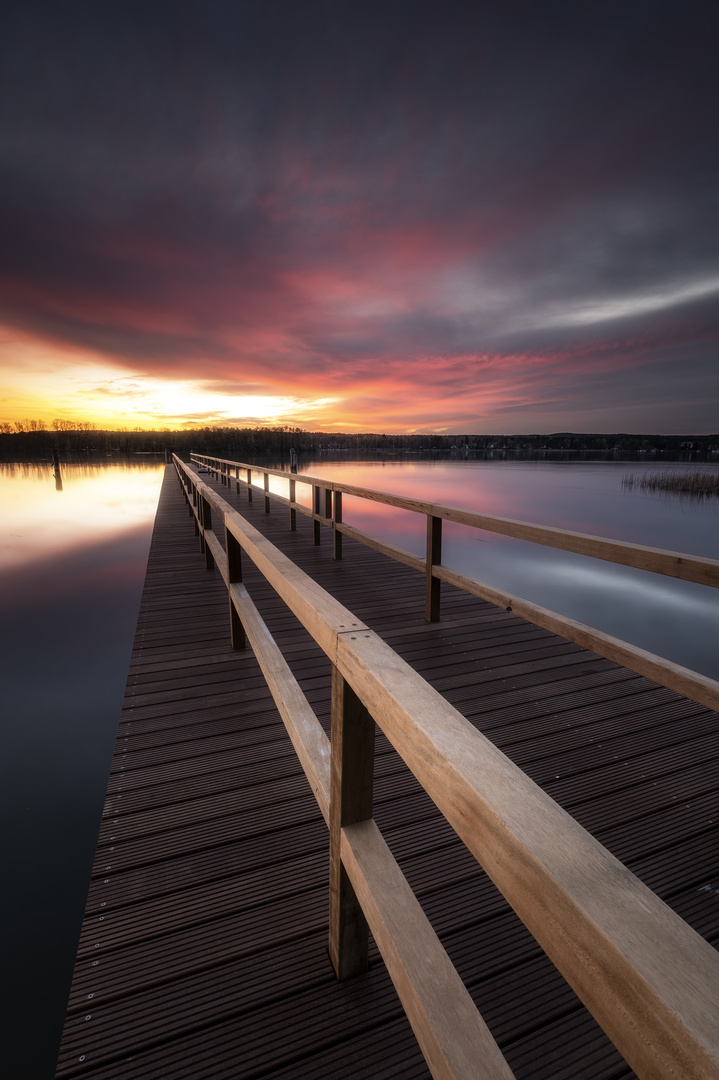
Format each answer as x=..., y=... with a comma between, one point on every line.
x=463, y=392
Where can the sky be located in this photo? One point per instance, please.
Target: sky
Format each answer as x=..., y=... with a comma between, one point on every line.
x=392, y=217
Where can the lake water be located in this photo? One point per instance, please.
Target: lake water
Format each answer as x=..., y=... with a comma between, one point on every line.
x=72, y=565
x=675, y=619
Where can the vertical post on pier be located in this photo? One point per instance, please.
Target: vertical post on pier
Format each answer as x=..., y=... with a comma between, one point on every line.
x=328, y=502
x=234, y=574
x=351, y=780
x=237, y=479
x=434, y=558
x=196, y=513
x=315, y=511
x=266, y=485
x=207, y=527
x=338, y=521
x=200, y=523
x=293, y=499
x=249, y=485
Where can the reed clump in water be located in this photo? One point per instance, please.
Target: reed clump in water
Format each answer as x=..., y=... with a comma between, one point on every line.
x=696, y=484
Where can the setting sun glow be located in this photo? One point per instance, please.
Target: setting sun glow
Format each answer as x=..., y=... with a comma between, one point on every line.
x=43, y=382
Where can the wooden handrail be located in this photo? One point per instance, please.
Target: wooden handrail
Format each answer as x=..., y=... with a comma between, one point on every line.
x=417, y=962
x=700, y=688
x=657, y=560
x=650, y=980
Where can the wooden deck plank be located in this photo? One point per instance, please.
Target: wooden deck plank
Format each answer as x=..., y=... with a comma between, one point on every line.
x=203, y=951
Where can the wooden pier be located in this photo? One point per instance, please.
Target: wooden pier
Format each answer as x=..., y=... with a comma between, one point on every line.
x=204, y=949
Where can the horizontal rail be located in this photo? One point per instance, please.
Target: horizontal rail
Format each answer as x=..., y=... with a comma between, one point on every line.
x=649, y=979
x=683, y=680
x=657, y=560
x=453, y=1036
x=306, y=733
x=397, y=553
x=417, y=962
x=691, y=684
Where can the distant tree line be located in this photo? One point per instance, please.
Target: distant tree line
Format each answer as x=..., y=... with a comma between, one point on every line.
x=33, y=440
x=21, y=426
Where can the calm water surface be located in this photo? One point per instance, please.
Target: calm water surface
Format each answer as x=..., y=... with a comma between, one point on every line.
x=675, y=619
x=72, y=564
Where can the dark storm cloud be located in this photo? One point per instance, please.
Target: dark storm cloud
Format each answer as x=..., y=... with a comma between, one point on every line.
x=276, y=190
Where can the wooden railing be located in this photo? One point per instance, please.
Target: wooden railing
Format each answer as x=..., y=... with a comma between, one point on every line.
x=326, y=509
x=649, y=980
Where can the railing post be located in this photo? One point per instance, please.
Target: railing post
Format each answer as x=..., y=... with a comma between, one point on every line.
x=293, y=512
x=338, y=521
x=315, y=510
x=249, y=485
x=237, y=479
x=234, y=573
x=199, y=521
x=266, y=485
x=195, y=513
x=207, y=527
x=351, y=780
x=434, y=558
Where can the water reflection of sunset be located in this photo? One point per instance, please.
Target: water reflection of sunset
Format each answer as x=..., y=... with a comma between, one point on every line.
x=581, y=496
x=469, y=485
x=675, y=619
x=95, y=501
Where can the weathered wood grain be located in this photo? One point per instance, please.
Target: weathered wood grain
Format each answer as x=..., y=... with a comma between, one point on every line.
x=455, y=1041
x=651, y=981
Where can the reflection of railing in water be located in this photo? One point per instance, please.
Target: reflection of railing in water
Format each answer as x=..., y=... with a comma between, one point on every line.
x=646, y=976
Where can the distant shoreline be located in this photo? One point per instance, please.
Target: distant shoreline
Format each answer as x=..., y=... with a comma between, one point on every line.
x=247, y=443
